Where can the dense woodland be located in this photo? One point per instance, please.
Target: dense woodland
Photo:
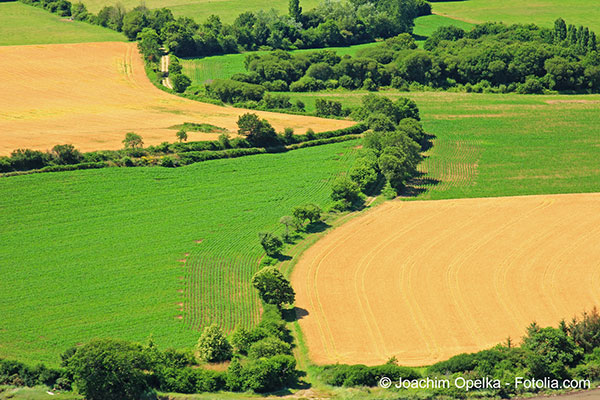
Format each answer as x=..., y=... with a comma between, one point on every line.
x=329, y=24
x=492, y=57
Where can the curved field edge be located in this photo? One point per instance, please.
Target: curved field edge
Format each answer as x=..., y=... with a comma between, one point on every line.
x=511, y=261
x=95, y=253
x=111, y=96
x=491, y=145
x=21, y=24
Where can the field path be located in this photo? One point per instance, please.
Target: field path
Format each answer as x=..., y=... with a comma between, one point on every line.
x=91, y=94
x=164, y=67
x=426, y=280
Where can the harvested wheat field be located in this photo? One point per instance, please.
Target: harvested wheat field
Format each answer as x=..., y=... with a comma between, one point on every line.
x=91, y=94
x=426, y=280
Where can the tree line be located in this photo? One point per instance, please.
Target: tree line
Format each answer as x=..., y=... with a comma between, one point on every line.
x=329, y=24
x=492, y=57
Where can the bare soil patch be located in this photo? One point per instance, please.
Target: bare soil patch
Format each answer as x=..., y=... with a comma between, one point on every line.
x=426, y=280
x=91, y=94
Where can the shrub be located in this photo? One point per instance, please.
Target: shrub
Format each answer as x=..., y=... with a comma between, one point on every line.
x=270, y=243
x=325, y=108
x=213, y=346
x=180, y=82
x=346, y=193
x=26, y=159
x=310, y=212
x=109, y=370
x=268, y=347
x=230, y=91
x=66, y=154
x=273, y=287
x=269, y=374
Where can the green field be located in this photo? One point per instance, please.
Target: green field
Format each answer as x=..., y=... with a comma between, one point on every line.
x=425, y=26
x=99, y=253
x=541, y=12
x=22, y=24
x=222, y=67
x=503, y=145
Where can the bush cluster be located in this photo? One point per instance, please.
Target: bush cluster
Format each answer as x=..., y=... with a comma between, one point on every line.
x=391, y=150
x=329, y=24
x=492, y=57
x=67, y=158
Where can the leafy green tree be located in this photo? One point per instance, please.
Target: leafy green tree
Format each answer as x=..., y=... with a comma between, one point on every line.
x=294, y=10
x=182, y=135
x=133, y=23
x=550, y=352
x=268, y=347
x=346, y=193
x=66, y=154
x=258, y=132
x=560, y=30
x=270, y=243
x=79, y=12
x=273, y=287
x=109, y=369
x=310, y=212
x=269, y=374
x=132, y=141
x=286, y=221
x=149, y=44
x=213, y=345
x=180, y=82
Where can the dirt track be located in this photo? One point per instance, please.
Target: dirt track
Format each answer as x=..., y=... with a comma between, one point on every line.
x=91, y=94
x=426, y=280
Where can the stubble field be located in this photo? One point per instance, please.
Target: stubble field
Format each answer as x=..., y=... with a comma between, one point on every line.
x=91, y=94
x=423, y=281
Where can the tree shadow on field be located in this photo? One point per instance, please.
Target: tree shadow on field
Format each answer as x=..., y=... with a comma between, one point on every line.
x=417, y=185
x=317, y=227
x=282, y=257
x=294, y=314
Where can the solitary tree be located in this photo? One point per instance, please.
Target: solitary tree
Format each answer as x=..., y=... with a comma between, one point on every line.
x=287, y=221
x=271, y=243
x=180, y=82
x=272, y=287
x=310, y=212
x=258, y=132
x=182, y=135
x=213, y=345
x=132, y=140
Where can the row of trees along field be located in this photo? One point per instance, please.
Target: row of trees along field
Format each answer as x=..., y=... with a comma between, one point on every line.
x=261, y=360
x=256, y=136
x=329, y=24
x=492, y=57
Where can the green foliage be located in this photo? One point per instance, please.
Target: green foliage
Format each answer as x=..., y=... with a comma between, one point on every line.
x=180, y=82
x=258, y=132
x=361, y=375
x=230, y=91
x=346, y=193
x=109, y=369
x=310, y=212
x=586, y=331
x=213, y=345
x=182, y=135
x=268, y=374
x=325, y=108
x=268, y=347
x=133, y=141
x=550, y=352
x=273, y=287
x=270, y=243
x=149, y=44
x=66, y=154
